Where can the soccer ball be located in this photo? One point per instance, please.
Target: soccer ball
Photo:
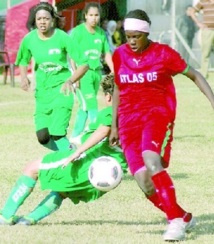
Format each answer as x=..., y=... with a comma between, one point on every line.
x=105, y=173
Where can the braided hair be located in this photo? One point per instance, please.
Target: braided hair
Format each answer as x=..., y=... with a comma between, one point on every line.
x=107, y=84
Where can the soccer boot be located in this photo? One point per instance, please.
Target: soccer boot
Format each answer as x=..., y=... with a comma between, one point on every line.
x=4, y=221
x=177, y=228
x=25, y=221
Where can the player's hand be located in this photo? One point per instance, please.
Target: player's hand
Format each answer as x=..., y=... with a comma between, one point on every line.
x=67, y=88
x=71, y=158
x=25, y=84
x=113, y=137
x=77, y=84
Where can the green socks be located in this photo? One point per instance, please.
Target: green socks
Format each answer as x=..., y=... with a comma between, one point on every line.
x=92, y=115
x=50, y=204
x=51, y=145
x=19, y=193
x=80, y=121
x=62, y=144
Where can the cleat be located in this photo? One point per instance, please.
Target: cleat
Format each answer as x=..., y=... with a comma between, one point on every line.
x=25, y=221
x=177, y=228
x=4, y=221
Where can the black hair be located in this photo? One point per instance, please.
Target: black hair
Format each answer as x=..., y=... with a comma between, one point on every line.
x=107, y=84
x=45, y=6
x=138, y=14
x=92, y=5
x=31, y=22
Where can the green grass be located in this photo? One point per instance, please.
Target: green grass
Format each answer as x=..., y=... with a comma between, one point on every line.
x=123, y=215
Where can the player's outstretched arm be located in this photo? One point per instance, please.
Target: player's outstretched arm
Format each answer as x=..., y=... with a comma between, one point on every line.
x=114, y=138
x=96, y=137
x=25, y=82
x=67, y=87
x=108, y=60
x=201, y=83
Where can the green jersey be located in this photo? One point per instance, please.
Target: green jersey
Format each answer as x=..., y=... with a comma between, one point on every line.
x=90, y=45
x=104, y=117
x=73, y=179
x=50, y=57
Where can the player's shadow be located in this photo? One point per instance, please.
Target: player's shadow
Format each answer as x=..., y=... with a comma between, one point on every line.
x=180, y=176
x=204, y=225
x=188, y=137
x=103, y=222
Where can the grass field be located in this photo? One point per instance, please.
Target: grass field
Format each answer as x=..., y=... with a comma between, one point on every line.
x=123, y=215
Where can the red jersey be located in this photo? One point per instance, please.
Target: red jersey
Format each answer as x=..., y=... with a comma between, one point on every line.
x=145, y=80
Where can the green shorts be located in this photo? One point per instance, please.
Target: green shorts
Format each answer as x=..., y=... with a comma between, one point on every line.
x=89, y=86
x=72, y=180
x=53, y=111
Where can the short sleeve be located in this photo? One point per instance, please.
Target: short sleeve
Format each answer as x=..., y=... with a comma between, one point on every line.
x=106, y=46
x=174, y=63
x=73, y=50
x=24, y=55
x=105, y=117
x=116, y=61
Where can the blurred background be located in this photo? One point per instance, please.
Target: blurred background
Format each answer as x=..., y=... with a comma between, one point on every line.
x=163, y=14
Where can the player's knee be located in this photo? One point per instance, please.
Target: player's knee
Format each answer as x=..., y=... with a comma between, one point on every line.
x=148, y=190
x=143, y=178
x=145, y=185
x=43, y=136
x=152, y=161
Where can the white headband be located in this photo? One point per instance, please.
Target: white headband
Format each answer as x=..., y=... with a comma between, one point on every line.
x=136, y=25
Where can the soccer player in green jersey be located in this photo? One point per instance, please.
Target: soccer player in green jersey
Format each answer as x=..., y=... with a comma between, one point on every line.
x=49, y=47
x=65, y=173
x=93, y=44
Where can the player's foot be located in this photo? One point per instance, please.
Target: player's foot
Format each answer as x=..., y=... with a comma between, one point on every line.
x=4, y=221
x=177, y=228
x=25, y=221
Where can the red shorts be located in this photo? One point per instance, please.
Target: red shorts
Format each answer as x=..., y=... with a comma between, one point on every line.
x=138, y=133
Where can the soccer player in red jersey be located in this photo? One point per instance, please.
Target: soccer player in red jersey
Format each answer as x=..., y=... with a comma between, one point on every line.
x=144, y=108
